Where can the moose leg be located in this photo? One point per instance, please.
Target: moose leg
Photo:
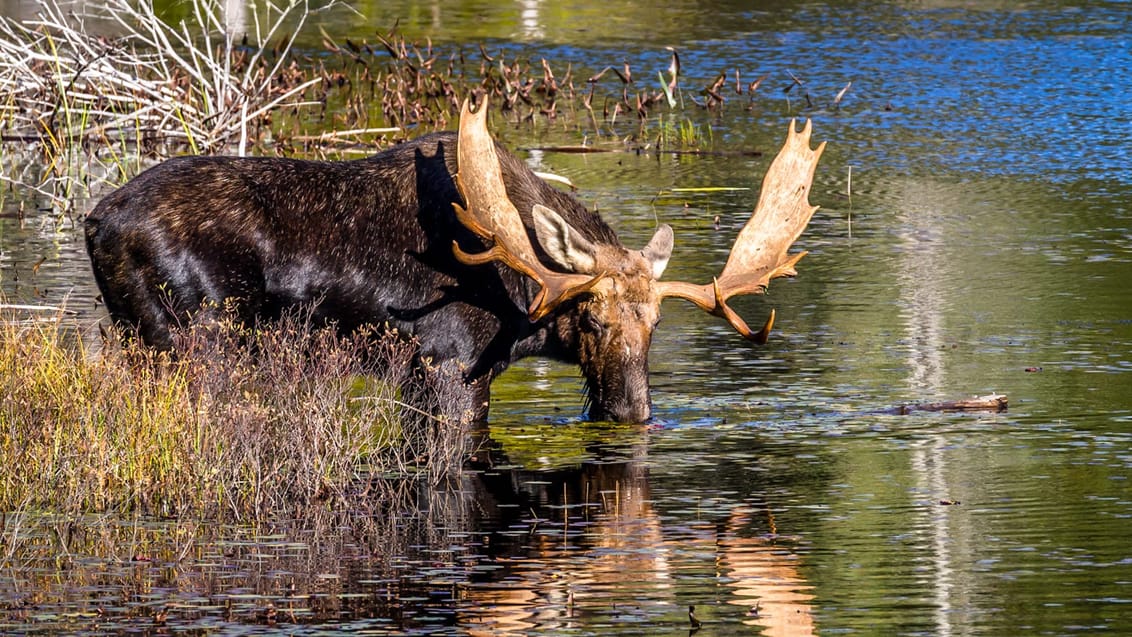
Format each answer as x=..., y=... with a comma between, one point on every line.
x=134, y=307
x=480, y=392
x=441, y=389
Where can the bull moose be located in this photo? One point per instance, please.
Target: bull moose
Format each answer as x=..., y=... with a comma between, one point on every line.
x=449, y=238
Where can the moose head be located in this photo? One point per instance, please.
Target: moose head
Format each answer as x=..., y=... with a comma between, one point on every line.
x=606, y=299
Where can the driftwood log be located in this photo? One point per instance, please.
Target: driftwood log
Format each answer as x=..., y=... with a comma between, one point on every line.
x=990, y=402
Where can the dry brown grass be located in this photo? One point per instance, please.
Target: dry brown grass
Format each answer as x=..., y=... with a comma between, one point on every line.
x=244, y=423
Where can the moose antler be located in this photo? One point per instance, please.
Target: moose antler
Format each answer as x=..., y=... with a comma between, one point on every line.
x=759, y=253
x=491, y=215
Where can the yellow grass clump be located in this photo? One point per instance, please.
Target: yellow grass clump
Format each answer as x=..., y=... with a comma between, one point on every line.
x=242, y=423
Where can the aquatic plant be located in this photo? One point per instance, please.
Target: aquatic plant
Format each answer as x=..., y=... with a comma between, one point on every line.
x=246, y=423
x=682, y=134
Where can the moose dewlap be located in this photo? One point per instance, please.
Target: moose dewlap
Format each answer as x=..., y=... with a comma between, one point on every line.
x=449, y=238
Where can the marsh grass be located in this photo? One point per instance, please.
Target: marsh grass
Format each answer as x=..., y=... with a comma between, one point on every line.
x=127, y=472
x=89, y=88
x=94, y=92
x=118, y=70
x=245, y=423
x=681, y=132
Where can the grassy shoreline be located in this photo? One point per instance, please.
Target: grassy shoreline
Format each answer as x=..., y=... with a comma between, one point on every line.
x=244, y=424
x=84, y=112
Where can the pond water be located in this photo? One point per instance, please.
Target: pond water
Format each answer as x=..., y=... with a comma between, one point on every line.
x=975, y=236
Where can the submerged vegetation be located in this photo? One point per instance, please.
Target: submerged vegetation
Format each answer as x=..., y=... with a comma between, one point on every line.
x=243, y=424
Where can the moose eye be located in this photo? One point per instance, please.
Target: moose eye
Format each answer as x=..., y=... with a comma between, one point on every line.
x=592, y=323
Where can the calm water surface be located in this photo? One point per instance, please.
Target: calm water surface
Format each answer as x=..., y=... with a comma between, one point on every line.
x=986, y=247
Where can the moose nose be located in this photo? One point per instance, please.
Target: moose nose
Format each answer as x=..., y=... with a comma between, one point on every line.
x=623, y=410
x=635, y=413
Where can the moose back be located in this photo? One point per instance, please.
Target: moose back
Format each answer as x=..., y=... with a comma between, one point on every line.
x=448, y=238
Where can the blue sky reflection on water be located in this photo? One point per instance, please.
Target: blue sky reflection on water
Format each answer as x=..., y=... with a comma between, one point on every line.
x=963, y=93
x=1032, y=89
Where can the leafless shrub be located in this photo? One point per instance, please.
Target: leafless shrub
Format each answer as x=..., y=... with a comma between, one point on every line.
x=67, y=82
x=244, y=422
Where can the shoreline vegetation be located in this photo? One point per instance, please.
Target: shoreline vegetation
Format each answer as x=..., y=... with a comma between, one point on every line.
x=244, y=424
x=86, y=100
x=286, y=443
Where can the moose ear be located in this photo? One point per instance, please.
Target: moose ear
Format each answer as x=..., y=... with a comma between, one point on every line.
x=562, y=243
x=659, y=249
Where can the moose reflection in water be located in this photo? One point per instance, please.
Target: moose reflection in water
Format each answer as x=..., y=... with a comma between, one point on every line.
x=601, y=531
x=478, y=258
